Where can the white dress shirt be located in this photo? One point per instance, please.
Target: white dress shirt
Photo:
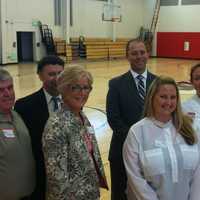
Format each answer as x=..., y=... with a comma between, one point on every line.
x=134, y=74
x=50, y=103
x=159, y=164
x=192, y=108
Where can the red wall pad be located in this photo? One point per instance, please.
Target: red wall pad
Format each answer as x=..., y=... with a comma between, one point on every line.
x=178, y=44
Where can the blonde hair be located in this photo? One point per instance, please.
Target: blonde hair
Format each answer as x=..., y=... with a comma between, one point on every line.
x=192, y=70
x=72, y=74
x=182, y=122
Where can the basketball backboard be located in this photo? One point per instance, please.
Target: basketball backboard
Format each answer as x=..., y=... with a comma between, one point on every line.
x=111, y=12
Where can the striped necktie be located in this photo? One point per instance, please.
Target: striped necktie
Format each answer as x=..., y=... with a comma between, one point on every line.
x=141, y=89
x=55, y=103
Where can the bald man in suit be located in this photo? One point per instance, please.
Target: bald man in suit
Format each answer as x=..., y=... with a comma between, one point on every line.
x=124, y=107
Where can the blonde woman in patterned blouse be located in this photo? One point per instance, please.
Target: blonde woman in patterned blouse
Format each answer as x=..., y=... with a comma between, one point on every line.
x=73, y=163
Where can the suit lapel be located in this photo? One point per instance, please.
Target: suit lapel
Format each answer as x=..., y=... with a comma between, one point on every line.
x=131, y=86
x=42, y=104
x=131, y=90
x=149, y=80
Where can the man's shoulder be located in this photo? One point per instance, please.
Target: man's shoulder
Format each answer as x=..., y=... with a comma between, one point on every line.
x=29, y=99
x=15, y=114
x=119, y=78
x=128, y=74
x=151, y=74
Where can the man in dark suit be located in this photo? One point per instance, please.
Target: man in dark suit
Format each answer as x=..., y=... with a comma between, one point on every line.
x=35, y=110
x=124, y=106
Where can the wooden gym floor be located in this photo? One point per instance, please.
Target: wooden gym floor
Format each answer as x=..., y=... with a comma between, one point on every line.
x=26, y=82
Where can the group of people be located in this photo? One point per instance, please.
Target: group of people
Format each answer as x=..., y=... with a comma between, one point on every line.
x=155, y=149
x=48, y=148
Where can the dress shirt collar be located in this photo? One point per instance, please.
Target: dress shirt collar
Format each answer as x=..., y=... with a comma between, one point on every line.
x=135, y=74
x=48, y=97
x=162, y=124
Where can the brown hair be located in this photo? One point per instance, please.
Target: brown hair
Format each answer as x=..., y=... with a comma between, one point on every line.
x=193, y=69
x=135, y=40
x=182, y=122
x=49, y=60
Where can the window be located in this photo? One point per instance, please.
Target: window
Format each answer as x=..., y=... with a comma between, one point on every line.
x=168, y=2
x=57, y=12
x=190, y=2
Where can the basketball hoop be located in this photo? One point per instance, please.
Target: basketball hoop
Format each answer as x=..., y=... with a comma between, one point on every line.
x=111, y=12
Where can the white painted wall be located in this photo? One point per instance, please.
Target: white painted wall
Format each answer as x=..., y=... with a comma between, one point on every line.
x=149, y=6
x=18, y=15
x=132, y=18
x=179, y=18
x=88, y=19
x=0, y=34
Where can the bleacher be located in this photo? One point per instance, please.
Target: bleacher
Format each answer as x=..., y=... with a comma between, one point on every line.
x=91, y=48
x=105, y=48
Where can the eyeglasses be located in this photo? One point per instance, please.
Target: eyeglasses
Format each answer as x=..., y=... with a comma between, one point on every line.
x=78, y=88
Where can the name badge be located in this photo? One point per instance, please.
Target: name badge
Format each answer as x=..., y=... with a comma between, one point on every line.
x=9, y=133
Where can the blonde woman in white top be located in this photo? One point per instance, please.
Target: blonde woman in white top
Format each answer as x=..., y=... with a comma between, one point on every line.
x=161, y=152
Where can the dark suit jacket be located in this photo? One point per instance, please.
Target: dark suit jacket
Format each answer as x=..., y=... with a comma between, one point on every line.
x=123, y=108
x=34, y=111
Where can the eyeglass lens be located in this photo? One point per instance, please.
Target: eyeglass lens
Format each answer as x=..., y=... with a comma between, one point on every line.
x=78, y=88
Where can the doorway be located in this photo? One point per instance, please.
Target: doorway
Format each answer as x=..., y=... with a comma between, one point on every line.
x=25, y=46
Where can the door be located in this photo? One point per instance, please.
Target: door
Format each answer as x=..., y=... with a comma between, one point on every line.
x=25, y=46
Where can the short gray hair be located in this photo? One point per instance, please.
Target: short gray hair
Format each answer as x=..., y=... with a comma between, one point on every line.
x=5, y=75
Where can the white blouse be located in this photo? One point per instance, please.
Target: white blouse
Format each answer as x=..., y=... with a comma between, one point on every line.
x=159, y=164
x=192, y=108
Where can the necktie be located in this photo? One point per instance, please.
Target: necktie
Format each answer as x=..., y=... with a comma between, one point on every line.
x=55, y=103
x=141, y=88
